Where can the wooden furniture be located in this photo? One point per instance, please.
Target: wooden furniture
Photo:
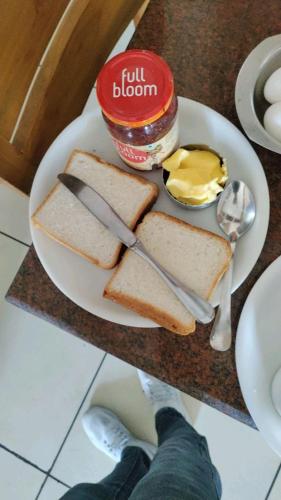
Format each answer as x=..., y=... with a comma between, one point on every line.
x=51, y=53
x=141, y=12
x=205, y=42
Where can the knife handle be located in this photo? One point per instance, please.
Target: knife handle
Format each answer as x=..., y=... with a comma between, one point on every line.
x=197, y=306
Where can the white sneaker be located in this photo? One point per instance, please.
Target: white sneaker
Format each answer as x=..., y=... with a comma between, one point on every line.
x=108, y=434
x=162, y=395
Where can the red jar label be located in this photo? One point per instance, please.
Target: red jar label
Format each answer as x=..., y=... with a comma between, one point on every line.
x=145, y=157
x=129, y=153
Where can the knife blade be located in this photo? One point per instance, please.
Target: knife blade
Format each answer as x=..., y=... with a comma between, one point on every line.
x=98, y=206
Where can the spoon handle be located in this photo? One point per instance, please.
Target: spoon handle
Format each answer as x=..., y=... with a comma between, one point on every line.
x=220, y=338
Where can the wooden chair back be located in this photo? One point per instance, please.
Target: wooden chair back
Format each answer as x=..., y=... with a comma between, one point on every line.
x=51, y=53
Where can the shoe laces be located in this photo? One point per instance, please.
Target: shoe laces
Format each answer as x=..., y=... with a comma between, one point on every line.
x=119, y=442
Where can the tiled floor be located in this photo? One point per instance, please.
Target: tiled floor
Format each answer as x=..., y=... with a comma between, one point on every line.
x=17, y=478
x=48, y=378
x=35, y=351
x=245, y=462
x=18, y=203
x=116, y=386
x=52, y=490
x=275, y=493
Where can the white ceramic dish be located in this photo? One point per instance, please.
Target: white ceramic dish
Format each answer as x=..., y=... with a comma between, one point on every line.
x=258, y=352
x=83, y=282
x=250, y=103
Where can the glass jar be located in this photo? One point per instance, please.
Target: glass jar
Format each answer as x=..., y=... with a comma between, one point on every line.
x=136, y=92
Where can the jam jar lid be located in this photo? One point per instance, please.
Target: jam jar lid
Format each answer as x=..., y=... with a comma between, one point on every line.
x=135, y=88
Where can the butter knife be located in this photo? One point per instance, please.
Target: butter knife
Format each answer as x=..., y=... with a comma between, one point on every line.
x=96, y=204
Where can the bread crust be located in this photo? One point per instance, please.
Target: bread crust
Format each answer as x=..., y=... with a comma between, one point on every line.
x=149, y=311
x=160, y=316
x=151, y=198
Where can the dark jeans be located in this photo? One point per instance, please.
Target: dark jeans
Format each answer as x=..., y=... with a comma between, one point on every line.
x=181, y=469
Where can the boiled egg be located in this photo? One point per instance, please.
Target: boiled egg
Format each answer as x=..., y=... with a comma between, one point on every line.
x=272, y=88
x=272, y=121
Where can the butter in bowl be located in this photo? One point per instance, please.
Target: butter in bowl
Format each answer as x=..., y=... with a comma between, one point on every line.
x=194, y=176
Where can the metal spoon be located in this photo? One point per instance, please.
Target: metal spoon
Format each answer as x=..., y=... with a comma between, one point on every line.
x=236, y=213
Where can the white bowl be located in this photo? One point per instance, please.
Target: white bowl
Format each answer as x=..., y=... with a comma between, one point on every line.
x=249, y=99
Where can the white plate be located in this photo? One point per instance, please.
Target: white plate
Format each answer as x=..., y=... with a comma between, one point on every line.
x=258, y=352
x=83, y=282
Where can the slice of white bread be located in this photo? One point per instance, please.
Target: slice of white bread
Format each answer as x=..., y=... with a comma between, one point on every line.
x=66, y=220
x=195, y=256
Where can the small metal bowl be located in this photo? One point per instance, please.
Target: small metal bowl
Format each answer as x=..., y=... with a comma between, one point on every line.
x=165, y=175
x=249, y=99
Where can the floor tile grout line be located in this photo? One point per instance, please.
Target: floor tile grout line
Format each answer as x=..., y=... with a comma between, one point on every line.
x=48, y=474
x=273, y=482
x=58, y=480
x=15, y=239
x=23, y=459
x=41, y=487
x=76, y=414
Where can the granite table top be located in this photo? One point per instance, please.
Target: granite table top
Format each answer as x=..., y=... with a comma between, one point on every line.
x=205, y=43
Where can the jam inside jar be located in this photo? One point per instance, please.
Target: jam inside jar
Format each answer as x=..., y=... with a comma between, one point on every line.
x=136, y=92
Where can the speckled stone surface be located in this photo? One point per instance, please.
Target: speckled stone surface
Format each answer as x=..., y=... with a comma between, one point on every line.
x=205, y=42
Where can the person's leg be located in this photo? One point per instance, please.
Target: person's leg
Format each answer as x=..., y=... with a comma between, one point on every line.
x=182, y=468
x=119, y=484
x=108, y=434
